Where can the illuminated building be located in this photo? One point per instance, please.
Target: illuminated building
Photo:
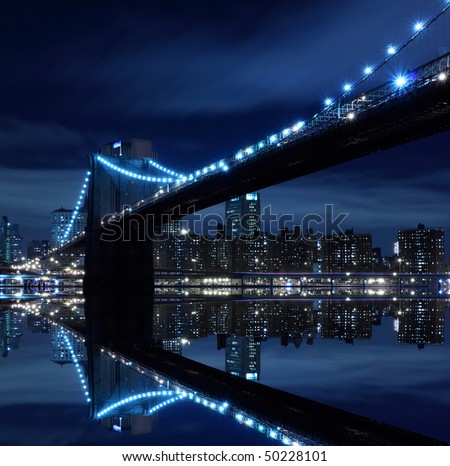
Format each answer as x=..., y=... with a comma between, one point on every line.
x=421, y=250
x=60, y=220
x=38, y=248
x=347, y=253
x=242, y=216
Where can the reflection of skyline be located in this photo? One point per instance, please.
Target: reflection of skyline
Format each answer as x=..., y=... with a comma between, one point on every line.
x=10, y=331
x=420, y=321
x=262, y=318
x=61, y=351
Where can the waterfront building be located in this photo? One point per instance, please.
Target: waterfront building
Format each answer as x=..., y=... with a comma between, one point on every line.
x=347, y=252
x=421, y=250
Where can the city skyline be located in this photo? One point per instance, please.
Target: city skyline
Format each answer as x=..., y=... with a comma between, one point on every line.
x=47, y=146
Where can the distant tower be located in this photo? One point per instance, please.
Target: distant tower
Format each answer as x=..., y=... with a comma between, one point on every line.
x=242, y=216
x=5, y=241
x=16, y=243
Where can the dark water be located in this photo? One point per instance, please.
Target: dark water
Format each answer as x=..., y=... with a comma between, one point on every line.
x=388, y=360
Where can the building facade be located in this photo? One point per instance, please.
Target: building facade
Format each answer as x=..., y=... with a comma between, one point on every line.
x=242, y=216
x=421, y=250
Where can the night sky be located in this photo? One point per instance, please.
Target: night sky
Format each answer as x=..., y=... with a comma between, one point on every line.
x=202, y=80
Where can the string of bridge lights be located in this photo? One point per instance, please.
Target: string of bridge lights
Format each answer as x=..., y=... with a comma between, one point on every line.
x=165, y=169
x=74, y=357
x=219, y=407
x=146, y=395
x=77, y=208
x=138, y=176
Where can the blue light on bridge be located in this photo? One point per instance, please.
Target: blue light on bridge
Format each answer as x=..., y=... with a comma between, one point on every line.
x=391, y=50
x=328, y=102
x=347, y=87
x=298, y=126
x=401, y=81
x=135, y=175
x=419, y=26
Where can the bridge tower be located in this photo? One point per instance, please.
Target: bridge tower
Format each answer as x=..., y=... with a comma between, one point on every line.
x=118, y=283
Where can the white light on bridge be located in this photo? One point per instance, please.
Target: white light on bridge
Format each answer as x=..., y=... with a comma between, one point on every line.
x=442, y=76
x=368, y=70
x=419, y=26
x=298, y=126
x=391, y=50
x=328, y=102
x=401, y=81
x=351, y=116
x=347, y=87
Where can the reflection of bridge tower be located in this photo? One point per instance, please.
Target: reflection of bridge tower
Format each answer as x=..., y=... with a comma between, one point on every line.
x=119, y=279
x=421, y=322
x=243, y=357
x=112, y=381
x=346, y=321
x=10, y=331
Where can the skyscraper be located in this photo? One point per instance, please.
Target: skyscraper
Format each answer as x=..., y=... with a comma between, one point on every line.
x=16, y=243
x=60, y=222
x=242, y=216
x=347, y=253
x=5, y=241
x=421, y=250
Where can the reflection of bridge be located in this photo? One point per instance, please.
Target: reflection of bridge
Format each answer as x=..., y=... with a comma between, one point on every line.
x=148, y=380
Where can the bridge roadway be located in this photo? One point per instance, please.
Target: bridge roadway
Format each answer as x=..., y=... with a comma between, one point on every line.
x=310, y=419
